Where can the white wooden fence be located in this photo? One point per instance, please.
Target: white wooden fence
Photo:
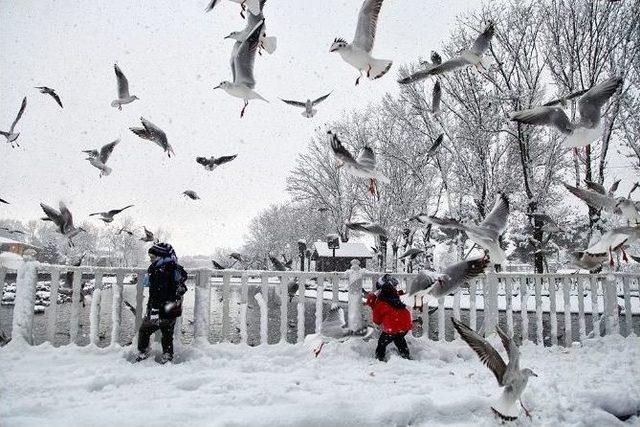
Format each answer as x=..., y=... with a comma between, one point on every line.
x=508, y=297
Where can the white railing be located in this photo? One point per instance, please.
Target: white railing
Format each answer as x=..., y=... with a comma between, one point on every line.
x=510, y=298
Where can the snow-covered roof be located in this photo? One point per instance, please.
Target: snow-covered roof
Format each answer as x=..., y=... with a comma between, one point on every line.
x=346, y=250
x=6, y=242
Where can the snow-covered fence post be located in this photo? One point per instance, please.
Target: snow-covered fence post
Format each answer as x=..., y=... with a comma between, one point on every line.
x=284, y=307
x=537, y=282
x=76, y=296
x=264, y=333
x=301, y=299
x=441, y=319
x=116, y=308
x=627, y=304
x=3, y=275
x=354, y=306
x=610, y=295
x=96, y=300
x=595, y=320
x=226, y=295
x=53, y=304
x=566, y=295
x=244, y=302
x=25, y=300
x=553, y=316
x=319, y=302
x=524, y=309
x=473, y=313
x=508, y=301
x=335, y=288
x=581, y=320
x=490, y=303
x=202, y=306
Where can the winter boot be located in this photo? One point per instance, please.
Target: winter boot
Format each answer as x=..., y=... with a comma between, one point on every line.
x=142, y=356
x=166, y=357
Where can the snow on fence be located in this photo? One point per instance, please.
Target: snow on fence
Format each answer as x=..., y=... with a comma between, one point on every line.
x=514, y=295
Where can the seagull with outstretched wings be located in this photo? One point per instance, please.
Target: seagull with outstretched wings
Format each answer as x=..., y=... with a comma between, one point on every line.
x=153, y=133
x=52, y=93
x=308, y=105
x=11, y=135
x=98, y=159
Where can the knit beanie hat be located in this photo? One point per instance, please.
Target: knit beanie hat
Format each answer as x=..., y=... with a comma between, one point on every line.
x=162, y=250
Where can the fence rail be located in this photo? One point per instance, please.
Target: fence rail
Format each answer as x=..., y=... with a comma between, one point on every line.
x=508, y=299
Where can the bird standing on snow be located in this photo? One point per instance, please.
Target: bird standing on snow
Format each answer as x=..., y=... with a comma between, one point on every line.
x=191, y=194
x=309, y=111
x=472, y=56
x=267, y=43
x=485, y=234
x=588, y=129
x=253, y=6
x=358, y=52
x=11, y=136
x=63, y=220
x=448, y=282
x=213, y=162
x=99, y=159
x=107, y=217
x=363, y=167
x=243, y=57
x=155, y=134
x=510, y=376
x=52, y=92
x=123, y=90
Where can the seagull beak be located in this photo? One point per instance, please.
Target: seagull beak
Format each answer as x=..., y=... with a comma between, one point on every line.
x=332, y=49
x=218, y=87
x=228, y=37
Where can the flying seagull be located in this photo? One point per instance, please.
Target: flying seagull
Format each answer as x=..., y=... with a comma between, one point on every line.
x=107, y=217
x=510, y=376
x=372, y=228
x=148, y=236
x=449, y=281
x=217, y=265
x=358, y=52
x=213, y=162
x=612, y=241
x=436, y=59
x=472, y=56
x=485, y=234
x=99, y=159
x=363, y=167
x=267, y=43
x=63, y=220
x=124, y=230
x=4, y=201
x=191, y=194
x=590, y=105
x=243, y=57
x=309, y=111
x=153, y=133
x=253, y=6
x=123, y=90
x=10, y=135
x=334, y=328
x=52, y=92
x=599, y=200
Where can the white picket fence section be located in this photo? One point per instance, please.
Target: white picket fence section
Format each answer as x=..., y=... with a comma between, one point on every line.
x=613, y=297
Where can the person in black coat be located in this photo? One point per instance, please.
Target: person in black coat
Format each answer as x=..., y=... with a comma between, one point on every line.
x=166, y=280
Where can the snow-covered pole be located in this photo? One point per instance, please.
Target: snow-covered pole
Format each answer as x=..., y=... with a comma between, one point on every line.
x=116, y=308
x=264, y=333
x=76, y=295
x=53, y=304
x=96, y=302
x=25, y=300
x=202, y=306
x=490, y=292
x=355, y=297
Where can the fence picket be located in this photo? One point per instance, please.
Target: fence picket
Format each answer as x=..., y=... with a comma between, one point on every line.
x=54, y=286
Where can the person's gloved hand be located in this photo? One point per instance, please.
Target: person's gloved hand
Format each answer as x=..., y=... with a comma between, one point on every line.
x=154, y=316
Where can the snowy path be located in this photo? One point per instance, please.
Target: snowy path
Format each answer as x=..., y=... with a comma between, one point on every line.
x=284, y=385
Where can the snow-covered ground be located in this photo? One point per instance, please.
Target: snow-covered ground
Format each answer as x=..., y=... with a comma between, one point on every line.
x=227, y=384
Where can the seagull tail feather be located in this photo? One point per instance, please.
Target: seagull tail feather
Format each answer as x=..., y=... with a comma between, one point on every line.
x=379, y=68
x=270, y=44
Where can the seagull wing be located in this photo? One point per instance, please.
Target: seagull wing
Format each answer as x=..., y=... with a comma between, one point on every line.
x=56, y=97
x=614, y=186
x=217, y=265
x=436, y=59
x=294, y=103
x=592, y=198
x=106, y=151
x=592, y=101
x=497, y=218
x=123, y=83
x=22, y=108
x=117, y=211
x=449, y=65
x=488, y=355
x=481, y=44
x=544, y=116
x=367, y=23
x=512, y=349
x=245, y=58
x=612, y=239
x=224, y=159
x=211, y=5
x=67, y=218
x=366, y=158
x=446, y=223
x=142, y=133
x=52, y=214
x=416, y=77
x=594, y=186
x=4, y=201
x=463, y=271
x=340, y=151
x=569, y=97
x=436, y=96
x=322, y=98
x=157, y=135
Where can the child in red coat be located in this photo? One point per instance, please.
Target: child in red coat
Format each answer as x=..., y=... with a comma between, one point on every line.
x=392, y=315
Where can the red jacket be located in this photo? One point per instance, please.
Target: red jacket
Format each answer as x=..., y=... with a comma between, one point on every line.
x=393, y=320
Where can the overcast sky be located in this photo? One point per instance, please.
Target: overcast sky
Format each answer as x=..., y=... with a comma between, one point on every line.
x=173, y=55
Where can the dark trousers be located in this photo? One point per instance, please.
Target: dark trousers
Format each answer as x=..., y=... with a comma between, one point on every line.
x=398, y=339
x=148, y=328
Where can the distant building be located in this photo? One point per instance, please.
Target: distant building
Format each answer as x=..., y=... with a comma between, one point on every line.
x=11, y=252
x=324, y=261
